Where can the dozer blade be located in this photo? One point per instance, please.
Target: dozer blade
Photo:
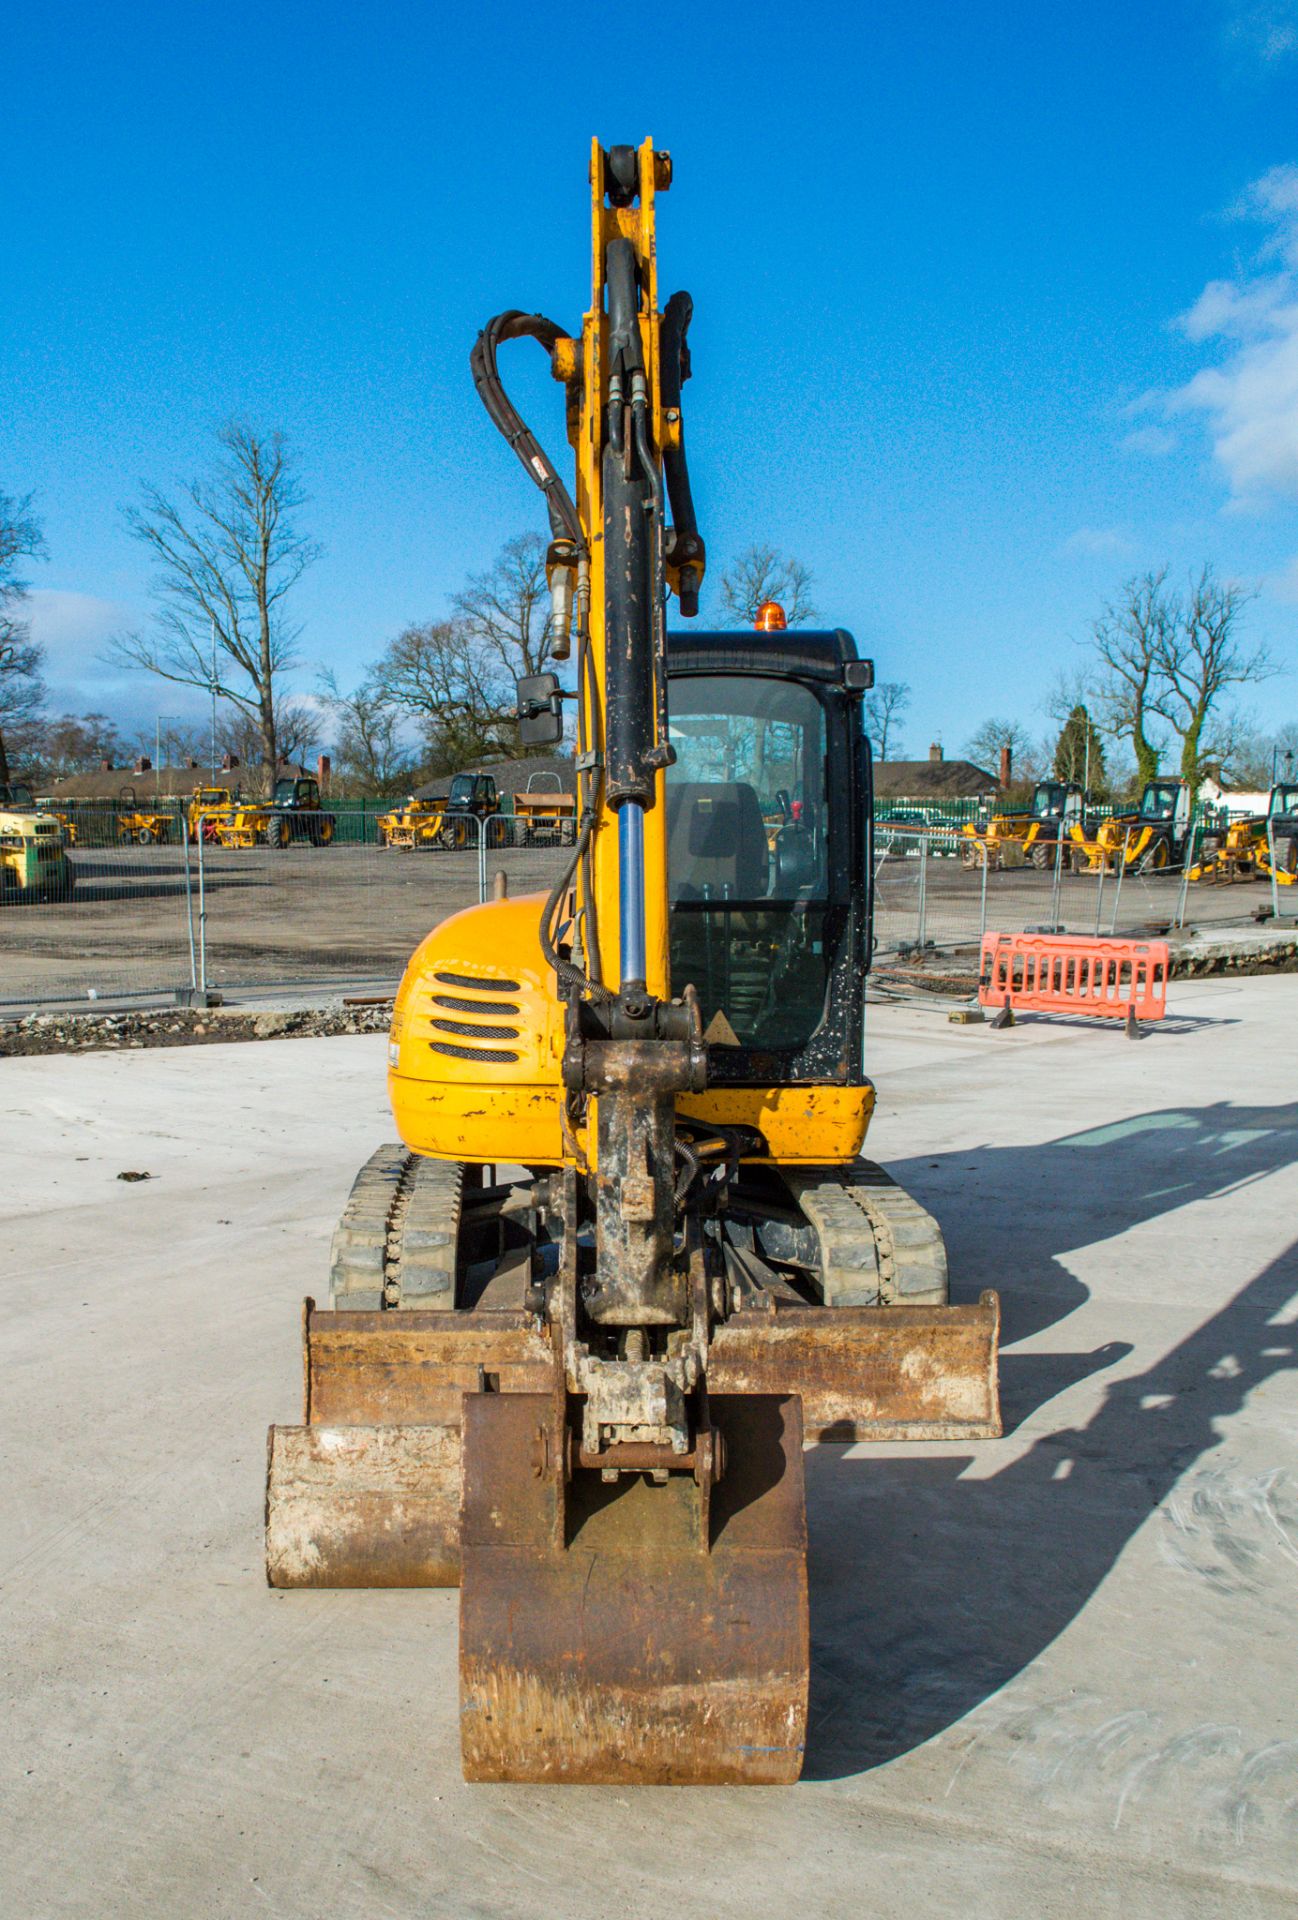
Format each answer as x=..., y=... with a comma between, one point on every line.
x=363, y=1506
x=871, y=1373
x=631, y=1632
x=366, y=1493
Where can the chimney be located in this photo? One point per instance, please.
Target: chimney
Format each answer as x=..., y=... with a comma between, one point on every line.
x=935, y=751
x=193, y=763
x=105, y=766
x=1007, y=763
x=144, y=764
x=229, y=761
x=322, y=768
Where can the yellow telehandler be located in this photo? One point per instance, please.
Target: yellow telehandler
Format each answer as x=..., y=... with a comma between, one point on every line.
x=1150, y=839
x=625, y=1260
x=1027, y=837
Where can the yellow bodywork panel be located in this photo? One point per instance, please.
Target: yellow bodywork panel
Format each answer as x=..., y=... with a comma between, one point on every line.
x=476, y=1054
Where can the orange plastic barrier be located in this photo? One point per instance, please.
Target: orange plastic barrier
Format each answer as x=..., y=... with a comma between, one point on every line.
x=1066, y=973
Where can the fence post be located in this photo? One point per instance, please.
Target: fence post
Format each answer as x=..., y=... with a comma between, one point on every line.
x=1099, y=893
x=1117, y=897
x=1188, y=861
x=202, y=921
x=1055, y=902
x=482, y=859
x=982, y=905
x=1275, y=881
x=923, y=887
x=189, y=904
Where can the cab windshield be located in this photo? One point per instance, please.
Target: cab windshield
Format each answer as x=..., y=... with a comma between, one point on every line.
x=462, y=789
x=1284, y=800
x=1049, y=801
x=746, y=856
x=1159, y=802
x=18, y=795
x=285, y=789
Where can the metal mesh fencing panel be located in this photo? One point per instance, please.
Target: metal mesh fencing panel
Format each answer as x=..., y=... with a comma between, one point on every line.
x=347, y=914
x=151, y=912
x=113, y=914
x=353, y=912
x=899, y=871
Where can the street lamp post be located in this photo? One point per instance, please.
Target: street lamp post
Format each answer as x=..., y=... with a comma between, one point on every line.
x=214, y=687
x=171, y=719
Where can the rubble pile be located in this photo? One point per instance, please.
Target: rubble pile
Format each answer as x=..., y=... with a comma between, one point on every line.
x=181, y=1027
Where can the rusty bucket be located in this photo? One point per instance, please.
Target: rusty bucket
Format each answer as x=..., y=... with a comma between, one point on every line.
x=626, y=1631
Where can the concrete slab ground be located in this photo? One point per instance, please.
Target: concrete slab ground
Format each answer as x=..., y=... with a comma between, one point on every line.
x=1053, y=1675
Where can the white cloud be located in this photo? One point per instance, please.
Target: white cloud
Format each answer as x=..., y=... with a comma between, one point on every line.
x=1266, y=29
x=1154, y=441
x=1098, y=540
x=1249, y=399
x=74, y=629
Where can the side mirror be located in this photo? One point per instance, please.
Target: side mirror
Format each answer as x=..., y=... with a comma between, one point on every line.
x=540, y=711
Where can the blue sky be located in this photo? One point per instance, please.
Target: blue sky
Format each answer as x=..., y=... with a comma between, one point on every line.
x=995, y=305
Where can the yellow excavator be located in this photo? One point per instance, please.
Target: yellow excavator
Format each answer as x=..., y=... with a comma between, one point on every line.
x=626, y=1261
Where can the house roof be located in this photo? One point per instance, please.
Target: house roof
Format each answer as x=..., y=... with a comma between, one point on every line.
x=932, y=780
x=511, y=776
x=167, y=783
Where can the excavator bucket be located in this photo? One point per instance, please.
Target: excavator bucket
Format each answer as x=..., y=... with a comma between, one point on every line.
x=623, y=1631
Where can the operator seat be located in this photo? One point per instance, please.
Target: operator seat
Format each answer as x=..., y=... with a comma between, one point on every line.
x=716, y=839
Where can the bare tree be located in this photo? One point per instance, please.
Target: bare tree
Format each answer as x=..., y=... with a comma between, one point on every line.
x=297, y=731
x=1199, y=657
x=227, y=556
x=455, y=687
x=78, y=744
x=984, y=747
x=22, y=690
x=1256, y=754
x=1129, y=640
x=367, y=746
x=760, y=574
x=506, y=611
x=884, y=707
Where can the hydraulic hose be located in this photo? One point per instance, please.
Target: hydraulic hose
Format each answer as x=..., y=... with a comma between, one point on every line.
x=515, y=325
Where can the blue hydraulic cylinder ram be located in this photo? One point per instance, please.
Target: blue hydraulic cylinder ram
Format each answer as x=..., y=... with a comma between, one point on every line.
x=631, y=925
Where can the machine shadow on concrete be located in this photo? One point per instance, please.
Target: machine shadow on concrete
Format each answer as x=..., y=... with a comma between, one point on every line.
x=930, y=1592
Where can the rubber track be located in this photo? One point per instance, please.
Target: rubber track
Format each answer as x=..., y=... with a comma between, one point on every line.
x=878, y=1246
x=395, y=1245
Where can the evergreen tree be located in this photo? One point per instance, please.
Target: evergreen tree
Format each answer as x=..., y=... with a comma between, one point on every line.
x=1079, y=755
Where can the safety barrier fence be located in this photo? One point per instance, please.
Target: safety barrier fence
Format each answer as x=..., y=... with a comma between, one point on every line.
x=183, y=915
x=1069, y=974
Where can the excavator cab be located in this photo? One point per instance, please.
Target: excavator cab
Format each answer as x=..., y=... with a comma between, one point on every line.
x=771, y=929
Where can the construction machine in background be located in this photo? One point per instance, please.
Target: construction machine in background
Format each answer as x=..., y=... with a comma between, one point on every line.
x=294, y=812
x=1028, y=835
x=625, y=1260
x=544, y=815
x=208, y=806
x=66, y=818
x=1278, y=853
x=541, y=815
x=1148, y=839
x=34, y=864
x=415, y=823
x=140, y=825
